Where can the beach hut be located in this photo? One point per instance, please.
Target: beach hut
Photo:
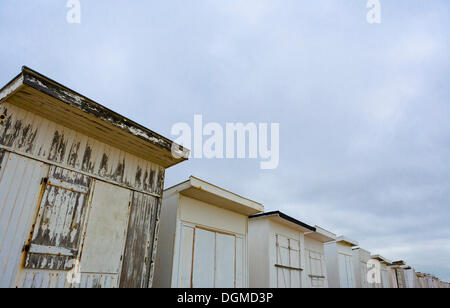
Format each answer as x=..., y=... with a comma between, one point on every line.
x=398, y=268
x=80, y=187
x=436, y=283
x=428, y=281
x=386, y=274
x=361, y=258
x=316, y=269
x=421, y=281
x=277, y=251
x=410, y=277
x=203, y=237
x=339, y=261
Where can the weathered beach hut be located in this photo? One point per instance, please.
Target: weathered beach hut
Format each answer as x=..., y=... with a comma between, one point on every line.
x=339, y=260
x=428, y=281
x=277, y=251
x=361, y=257
x=436, y=283
x=421, y=281
x=203, y=237
x=316, y=269
x=386, y=274
x=410, y=277
x=80, y=189
x=398, y=268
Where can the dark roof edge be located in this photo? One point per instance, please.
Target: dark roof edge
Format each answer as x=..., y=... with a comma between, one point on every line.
x=285, y=217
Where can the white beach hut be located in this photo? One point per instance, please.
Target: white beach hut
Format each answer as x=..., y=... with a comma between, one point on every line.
x=203, y=237
x=277, y=251
x=339, y=261
x=361, y=257
x=316, y=269
x=386, y=274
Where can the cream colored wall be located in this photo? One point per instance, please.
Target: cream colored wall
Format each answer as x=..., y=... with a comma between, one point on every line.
x=207, y=215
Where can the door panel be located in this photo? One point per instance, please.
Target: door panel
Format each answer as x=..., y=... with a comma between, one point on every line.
x=343, y=271
x=240, y=255
x=186, y=254
x=138, y=248
x=204, y=259
x=288, y=262
x=317, y=274
x=225, y=261
x=284, y=279
x=56, y=236
x=106, y=229
x=294, y=259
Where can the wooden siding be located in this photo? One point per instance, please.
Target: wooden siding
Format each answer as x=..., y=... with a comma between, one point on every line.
x=59, y=223
x=139, y=248
x=31, y=135
x=20, y=188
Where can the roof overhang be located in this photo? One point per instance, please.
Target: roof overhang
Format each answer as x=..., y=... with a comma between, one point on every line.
x=321, y=235
x=286, y=220
x=49, y=99
x=211, y=194
x=398, y=264
x=346, y=241
x=381, y=259
x=361, y=250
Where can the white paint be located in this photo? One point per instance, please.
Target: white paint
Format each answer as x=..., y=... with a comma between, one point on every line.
x=202, y=242
x=20, y=187
x=11, y=88
x=106, y=229
x=203, y=272
x=225, y=263
x=339, y=262
x=277, y=253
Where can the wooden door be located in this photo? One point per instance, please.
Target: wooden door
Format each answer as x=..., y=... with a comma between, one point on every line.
x=57, y=232
x=288, y=262
x=140, y=240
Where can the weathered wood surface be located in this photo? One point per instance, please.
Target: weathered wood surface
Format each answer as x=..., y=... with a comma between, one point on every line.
x=138, y=247
x=19, y=191
x=60, y=220
x=29, y=134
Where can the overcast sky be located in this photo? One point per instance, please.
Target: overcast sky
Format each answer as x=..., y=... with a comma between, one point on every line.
x=363, y=108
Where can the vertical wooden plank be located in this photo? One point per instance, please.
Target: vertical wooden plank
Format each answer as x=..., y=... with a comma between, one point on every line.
x=350, y=272
x=240, y=261
x=225, y=261
x=186, y=255
x=137, y=255
x=204, y=259
x=294, y=261
x=283, y=259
